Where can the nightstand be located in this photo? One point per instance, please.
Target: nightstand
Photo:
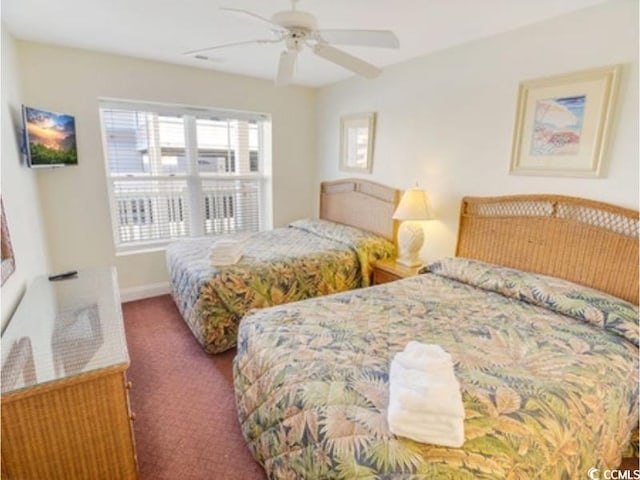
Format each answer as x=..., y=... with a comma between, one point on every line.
x=388, y=271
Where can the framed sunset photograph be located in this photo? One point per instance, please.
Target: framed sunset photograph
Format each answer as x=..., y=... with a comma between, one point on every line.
x=563, y=122
x=50, y=138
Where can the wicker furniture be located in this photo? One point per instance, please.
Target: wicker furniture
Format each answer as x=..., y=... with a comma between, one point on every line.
x=65, y=407
x=311, y=377
x=312, y=388
x=389, y=271
x=584, y=241
x=360, y=203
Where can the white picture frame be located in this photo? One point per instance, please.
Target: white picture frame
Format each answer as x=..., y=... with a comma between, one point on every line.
x=357, y=134
x=563, y=123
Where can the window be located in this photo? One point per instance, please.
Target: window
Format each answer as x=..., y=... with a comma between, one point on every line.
x=178, y=171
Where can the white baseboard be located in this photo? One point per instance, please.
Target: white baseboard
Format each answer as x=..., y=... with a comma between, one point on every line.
x=144, y=291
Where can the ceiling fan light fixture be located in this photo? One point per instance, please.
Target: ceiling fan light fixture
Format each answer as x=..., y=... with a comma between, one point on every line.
x=295, y=42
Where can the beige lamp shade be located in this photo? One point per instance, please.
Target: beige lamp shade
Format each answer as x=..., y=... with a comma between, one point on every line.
x=414, y=205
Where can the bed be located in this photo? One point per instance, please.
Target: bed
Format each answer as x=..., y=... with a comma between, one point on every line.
x=306, y=259
x=539, y=312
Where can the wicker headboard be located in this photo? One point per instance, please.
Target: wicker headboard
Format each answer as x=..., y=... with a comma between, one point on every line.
x=584, y=241
x=360, y=203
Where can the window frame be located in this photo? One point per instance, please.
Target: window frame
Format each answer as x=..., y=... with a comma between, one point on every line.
x=196, y=193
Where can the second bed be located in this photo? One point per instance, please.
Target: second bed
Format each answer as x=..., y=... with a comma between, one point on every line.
x=308, y=258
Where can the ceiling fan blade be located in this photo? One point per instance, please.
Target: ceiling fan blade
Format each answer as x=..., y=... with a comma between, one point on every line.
x=193, y=53
x=364, y=38
x=286, y=67
x=357, y=66
x=254, y=15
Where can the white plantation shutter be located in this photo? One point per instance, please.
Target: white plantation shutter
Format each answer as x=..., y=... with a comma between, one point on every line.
x=177, y=172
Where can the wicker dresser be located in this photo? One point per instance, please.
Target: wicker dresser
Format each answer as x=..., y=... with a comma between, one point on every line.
x=65, y=404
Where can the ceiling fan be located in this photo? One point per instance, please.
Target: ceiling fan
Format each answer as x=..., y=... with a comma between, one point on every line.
x=297, y=29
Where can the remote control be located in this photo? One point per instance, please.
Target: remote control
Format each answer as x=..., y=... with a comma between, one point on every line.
x=63, y=275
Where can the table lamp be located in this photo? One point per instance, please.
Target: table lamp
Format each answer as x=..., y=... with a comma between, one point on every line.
x=413, y=208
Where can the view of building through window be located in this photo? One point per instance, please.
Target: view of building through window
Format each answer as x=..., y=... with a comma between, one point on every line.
x=175, y=175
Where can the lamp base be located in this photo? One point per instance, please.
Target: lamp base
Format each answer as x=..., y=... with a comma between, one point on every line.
x=410, y=240
x=409, y=262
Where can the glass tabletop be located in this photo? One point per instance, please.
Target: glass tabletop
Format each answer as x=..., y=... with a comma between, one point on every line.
x=64, y=328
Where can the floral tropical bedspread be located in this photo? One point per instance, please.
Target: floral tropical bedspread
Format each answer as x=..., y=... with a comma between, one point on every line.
x=548, y=372
x=307, y=259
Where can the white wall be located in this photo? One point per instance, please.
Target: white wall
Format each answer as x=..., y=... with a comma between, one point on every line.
x=446, y=120
x=75, y=200
x=19, y=189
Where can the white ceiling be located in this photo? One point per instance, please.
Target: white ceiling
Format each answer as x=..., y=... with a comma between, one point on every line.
x=164, y=29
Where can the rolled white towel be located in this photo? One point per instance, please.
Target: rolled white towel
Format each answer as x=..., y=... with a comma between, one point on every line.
x=426, y=428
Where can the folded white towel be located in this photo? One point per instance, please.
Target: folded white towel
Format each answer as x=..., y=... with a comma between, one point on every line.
x=426, y=357
x=412, y=377
x=430, y=350
x=434, y=396
x=226, y=260
x=426, y=427
x=436, y=368
x=225, y=246
x=225, y=252
x=425, y=403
